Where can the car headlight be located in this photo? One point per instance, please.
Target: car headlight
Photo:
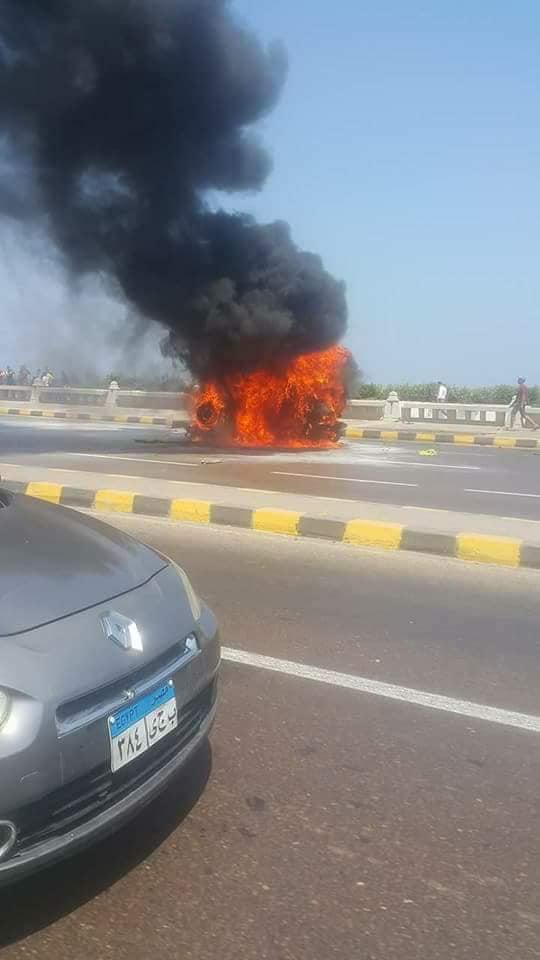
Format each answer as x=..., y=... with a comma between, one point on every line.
x=4, y=707
x=193, y=600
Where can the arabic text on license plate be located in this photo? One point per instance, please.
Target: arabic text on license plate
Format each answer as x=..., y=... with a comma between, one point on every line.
x=138, y=726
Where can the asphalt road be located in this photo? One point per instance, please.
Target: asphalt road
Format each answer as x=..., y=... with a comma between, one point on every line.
x=471, y=480
x=327, y=822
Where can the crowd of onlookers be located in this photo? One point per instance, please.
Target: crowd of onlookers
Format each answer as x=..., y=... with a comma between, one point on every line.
x=25, y=378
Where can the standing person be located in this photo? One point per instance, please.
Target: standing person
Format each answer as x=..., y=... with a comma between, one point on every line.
x=442, y=392
x=24, y=376
x=442, y=396
x=10, y=380
x=520, y=406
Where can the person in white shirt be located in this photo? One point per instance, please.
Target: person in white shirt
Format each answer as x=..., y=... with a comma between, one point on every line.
x=442, y=395
x=442, y=392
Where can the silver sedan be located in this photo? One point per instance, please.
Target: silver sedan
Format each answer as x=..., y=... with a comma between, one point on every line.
x=108, y=673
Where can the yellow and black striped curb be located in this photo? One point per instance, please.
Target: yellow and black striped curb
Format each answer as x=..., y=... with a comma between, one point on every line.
x=464, y=439
x=91, y=418
x=503, y=551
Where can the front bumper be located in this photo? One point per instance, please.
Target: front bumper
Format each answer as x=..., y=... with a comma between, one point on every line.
x=48, y=851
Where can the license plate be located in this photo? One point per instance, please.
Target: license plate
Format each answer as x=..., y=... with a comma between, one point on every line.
x=138, y=726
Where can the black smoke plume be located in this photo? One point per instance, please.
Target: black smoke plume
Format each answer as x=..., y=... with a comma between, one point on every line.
x=125, y=115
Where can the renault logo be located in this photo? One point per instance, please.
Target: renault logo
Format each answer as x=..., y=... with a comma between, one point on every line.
x=122, y=631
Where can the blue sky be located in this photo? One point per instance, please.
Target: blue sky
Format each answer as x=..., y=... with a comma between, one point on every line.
x=407, y=152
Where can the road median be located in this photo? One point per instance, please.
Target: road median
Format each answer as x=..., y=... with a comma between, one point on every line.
x=178, y=421
x=354, y=531
x=144, y=418
x=470, y=437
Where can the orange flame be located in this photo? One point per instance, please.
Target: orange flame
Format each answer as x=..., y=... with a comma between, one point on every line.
x=299, y=406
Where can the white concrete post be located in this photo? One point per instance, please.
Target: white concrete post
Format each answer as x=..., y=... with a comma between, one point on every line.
x=392, y=407
x=34, y=392
x=110, y=400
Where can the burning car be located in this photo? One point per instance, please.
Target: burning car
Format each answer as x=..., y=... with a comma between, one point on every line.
x=108, y=680
x=296, y=405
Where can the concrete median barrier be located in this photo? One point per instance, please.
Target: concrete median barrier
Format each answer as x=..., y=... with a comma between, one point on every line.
x=423, y=436
x=358, y=532
x=175, y=421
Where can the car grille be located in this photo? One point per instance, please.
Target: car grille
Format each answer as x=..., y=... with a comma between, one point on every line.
x=79, y=712
x=88, y=796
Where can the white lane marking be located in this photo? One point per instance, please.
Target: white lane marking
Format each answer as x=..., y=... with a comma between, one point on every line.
x=412, y=463
x=178, y=483
x=110, y=456
x=323, y=476
x=116, y=476
x=306, y=496
x=519, y=519
x=506, y=493
x=435, y=701
x=183, y=483
x=44, y=423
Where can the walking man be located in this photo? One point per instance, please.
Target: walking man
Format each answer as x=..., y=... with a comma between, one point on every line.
x=520, y=406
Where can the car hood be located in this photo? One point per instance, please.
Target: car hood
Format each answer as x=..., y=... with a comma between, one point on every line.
x=55, y=562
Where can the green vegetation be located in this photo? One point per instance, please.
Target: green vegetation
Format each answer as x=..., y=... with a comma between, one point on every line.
x=502, y=393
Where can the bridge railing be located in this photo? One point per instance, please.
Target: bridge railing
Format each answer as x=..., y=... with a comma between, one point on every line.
x=39, y=396
x=365, y=409
x=393, y=409
x=460, y=413
x=415, y=411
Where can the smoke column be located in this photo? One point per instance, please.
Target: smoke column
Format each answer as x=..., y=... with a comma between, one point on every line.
x=119, y=118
